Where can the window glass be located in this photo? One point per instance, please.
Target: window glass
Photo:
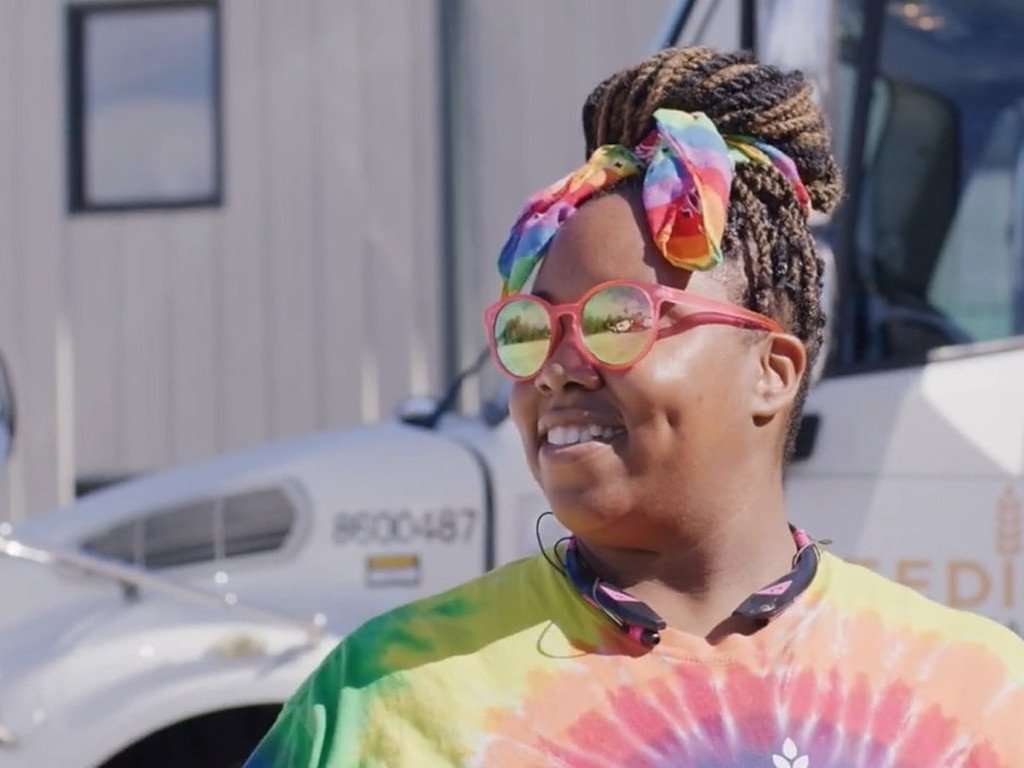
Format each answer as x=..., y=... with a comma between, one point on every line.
x=180, y=535
x=199, y=531
x=257, y=521
x=118, y=543
x=144, y=120
x=938, y=236
x=986, y=230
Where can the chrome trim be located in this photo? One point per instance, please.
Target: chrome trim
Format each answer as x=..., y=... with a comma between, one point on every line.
x=975, y=349
x=133, y=579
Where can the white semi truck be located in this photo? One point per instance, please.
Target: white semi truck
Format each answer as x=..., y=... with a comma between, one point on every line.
x=163, y=621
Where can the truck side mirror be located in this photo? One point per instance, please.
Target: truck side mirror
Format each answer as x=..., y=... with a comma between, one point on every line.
x=417, y=410
x=7, y=413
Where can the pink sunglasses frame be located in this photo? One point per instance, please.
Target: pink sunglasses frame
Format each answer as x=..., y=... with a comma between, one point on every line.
x=710, y=311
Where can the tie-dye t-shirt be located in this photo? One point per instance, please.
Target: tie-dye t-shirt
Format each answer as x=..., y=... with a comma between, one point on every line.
x=515, y=669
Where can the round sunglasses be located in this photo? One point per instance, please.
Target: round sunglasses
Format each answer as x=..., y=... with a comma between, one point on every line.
x=613, y=325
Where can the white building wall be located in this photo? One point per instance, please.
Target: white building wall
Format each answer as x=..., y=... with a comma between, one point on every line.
x=311, y=298
x=32, y=243
x=519, y=113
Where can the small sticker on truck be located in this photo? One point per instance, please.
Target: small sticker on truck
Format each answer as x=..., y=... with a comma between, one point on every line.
x=393, y=570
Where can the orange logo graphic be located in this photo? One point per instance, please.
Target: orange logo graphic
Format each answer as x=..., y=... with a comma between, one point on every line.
x=1009, y=540
x=970, y=584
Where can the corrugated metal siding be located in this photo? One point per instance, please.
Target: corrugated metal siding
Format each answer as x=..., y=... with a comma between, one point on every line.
x=9, y=265
x=529, y=67
x=308, y=301
x=533, y=63
x=311, y=299
x=31, y=240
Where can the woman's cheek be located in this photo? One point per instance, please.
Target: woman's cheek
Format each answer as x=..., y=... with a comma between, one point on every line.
x=522, y=407
x=521, y=404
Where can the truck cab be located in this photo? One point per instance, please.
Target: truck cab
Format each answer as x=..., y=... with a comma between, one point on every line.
x=913, y=452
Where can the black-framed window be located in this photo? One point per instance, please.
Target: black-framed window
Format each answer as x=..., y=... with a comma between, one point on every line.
x=144, y=105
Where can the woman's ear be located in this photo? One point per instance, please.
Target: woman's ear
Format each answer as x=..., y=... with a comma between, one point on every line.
x=781, y=366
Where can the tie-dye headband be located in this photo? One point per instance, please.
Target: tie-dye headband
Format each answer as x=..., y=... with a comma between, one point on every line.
x=688, y=170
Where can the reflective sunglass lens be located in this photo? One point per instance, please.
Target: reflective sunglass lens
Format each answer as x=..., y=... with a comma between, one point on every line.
x=522, y=336
x=617, y=323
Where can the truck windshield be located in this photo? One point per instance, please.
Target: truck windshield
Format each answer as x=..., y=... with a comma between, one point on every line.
x=938, y=244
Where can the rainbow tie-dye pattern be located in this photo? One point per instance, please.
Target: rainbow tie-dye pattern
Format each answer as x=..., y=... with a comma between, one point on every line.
x=688, y=171
x=515, y=669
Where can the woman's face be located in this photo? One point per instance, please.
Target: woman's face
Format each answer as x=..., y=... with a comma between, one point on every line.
x=682, y=415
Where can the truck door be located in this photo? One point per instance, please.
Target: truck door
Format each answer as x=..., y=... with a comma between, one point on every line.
x=917, y=467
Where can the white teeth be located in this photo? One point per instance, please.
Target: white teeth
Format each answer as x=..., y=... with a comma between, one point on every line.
x=571, y=434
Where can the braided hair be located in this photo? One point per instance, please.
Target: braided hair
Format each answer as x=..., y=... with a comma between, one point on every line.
x=767, y=239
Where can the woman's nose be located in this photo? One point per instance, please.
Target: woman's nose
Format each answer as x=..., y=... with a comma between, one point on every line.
x=568, y=364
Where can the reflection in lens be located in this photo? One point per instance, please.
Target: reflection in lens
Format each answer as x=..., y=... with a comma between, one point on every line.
x=617, y=324
x=522, y=335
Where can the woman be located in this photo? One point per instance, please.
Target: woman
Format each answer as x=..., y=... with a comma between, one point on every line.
x=660, y=311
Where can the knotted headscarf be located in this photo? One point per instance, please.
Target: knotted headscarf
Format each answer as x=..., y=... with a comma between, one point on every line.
x=688, y=170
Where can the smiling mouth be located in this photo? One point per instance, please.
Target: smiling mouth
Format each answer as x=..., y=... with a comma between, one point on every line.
x=569, y=435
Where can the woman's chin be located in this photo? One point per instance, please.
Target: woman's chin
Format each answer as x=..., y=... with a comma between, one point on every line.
x=584, y=509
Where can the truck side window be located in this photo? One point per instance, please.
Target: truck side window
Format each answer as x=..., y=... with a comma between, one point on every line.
x=257, y=521
x=202, y=530
x=938, y=241
x=122, y=542
x=180, y=536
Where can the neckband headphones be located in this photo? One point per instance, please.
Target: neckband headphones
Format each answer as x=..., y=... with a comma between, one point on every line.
x=643, y=624
x=632, y=616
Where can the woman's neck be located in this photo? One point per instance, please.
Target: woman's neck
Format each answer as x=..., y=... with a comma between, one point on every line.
x=696, y=581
